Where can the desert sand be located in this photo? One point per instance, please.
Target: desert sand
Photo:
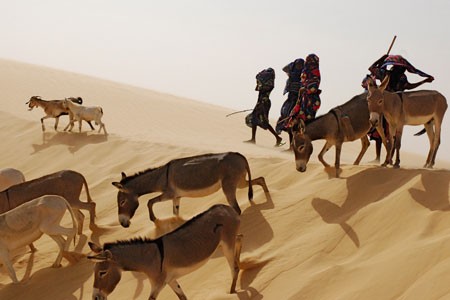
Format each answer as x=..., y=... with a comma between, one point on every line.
x=374, y=233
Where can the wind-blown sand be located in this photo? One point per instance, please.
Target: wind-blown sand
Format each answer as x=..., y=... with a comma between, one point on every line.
x=374, y=233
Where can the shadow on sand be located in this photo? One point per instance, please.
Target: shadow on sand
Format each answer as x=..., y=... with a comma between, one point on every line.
x=377, y=184
x=42, y=282
x=256, y=232
x=73, y=141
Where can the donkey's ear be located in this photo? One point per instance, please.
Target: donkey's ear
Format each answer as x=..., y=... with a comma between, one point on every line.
x=107, y=254
x=100, y=257
x=123, y=175
x=117, y=185
x=371, y=84
x=95, y=248
x=385, y=83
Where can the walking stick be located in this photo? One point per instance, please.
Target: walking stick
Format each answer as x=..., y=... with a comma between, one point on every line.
x=238, y=112
x=392, y=44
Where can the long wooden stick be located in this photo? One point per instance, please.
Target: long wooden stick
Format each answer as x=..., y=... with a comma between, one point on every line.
x=392, y=44
x=238, y=112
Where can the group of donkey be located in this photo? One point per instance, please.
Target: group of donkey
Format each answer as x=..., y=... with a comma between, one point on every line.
x=164, y=259
x=353, y=120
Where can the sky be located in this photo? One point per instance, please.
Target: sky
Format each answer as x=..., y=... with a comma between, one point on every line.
x=210, y=50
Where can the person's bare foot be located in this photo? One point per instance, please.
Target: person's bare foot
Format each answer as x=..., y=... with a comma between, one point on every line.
x=279, y=142
x=250, y=141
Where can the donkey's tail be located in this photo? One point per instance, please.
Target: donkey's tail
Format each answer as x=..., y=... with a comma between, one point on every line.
x=74, y=221
x=420, y=132
x=89, y=199
x=250, y=188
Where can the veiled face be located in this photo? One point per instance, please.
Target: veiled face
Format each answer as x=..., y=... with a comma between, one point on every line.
x=303, y=149
x=106, y=277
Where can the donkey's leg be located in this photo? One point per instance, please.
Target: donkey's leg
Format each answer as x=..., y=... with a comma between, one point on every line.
x=157, y=285
x=89, y=206
x=337, y=160
x=4, y=258
x=391, y=149
x=229, y=187
x=162, y=197
x=386, y=142
x=261, y=182
x=324, y=150
x=398, y=144
x=232, y=252
x=364, y=145
x=176, y=206
x=52, y=228
x=177, y=289
x=242, y=184
x=80, y=219
x=431, y=137
x=61, y=242
x=437, y=141
x=32, y=247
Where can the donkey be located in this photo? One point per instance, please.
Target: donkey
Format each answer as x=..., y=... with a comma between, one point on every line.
x=194, y=176
x=53, y=109
x=10, y=177
x=343, y=123
x=172, y=255
x=407, y=108
x=28, y=222
x=66, y=183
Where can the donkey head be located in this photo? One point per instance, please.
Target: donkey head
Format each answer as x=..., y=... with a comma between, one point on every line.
x=375, y=100
x=107, y=272
x=127, y=203
x=302, y=147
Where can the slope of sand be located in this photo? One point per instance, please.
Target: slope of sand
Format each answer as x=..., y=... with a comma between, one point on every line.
x=375, y=233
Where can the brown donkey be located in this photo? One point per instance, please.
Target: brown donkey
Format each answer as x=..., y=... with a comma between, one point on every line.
x=347, y=122
x=407, y=108
x=194, y=176
x=172, y=255
x=67, y=184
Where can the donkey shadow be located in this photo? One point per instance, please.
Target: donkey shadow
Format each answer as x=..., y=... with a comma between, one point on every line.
x=435, y=195
x=73, y=141
x=47, y=278
x=372, y=185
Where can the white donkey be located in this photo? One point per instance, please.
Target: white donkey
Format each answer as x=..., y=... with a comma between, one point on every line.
x=86, y=113
x=10, y=177
x=26, y=223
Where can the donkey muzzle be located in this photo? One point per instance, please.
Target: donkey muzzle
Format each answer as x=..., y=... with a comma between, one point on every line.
x=124, y=221
x=300, y=166
x=374, y=119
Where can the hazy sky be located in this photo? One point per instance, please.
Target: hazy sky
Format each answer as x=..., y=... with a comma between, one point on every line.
x=211, y=50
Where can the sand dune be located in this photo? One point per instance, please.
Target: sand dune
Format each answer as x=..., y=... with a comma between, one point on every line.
x=375, y=233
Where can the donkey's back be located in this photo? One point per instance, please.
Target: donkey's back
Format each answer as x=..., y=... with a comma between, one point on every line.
x=66, y=183
x=10, y=177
